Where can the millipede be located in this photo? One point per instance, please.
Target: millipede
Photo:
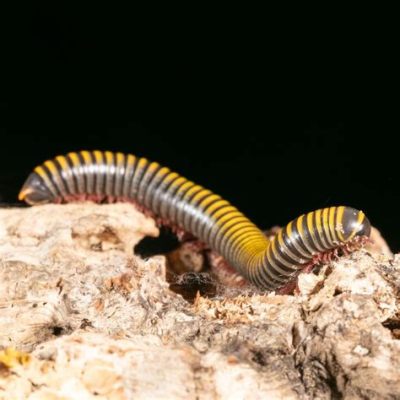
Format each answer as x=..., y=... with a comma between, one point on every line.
x=104, y=176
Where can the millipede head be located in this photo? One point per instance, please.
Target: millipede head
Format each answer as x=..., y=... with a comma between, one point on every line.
x=354, y=223
x=35, y=191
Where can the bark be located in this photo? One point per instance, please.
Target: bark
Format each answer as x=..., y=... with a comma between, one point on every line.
x=82, y=317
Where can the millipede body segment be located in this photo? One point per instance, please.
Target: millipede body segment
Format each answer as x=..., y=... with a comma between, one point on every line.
x=181, y=203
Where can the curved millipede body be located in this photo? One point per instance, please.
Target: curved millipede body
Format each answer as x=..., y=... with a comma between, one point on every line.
x=181, y=203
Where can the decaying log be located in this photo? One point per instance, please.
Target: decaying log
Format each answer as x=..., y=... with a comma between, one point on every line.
x=82, y=317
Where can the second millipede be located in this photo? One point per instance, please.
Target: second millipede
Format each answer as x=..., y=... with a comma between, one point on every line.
x=179, y=202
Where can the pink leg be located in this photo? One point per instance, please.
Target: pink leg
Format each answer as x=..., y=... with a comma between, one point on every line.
x=226, y=274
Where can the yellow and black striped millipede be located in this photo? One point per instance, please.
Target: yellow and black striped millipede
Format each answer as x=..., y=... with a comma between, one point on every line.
x=179, y=202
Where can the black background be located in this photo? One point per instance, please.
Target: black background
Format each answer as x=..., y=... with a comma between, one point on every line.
x=279, y=113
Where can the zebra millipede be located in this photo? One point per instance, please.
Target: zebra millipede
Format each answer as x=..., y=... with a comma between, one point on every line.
x=179, y=202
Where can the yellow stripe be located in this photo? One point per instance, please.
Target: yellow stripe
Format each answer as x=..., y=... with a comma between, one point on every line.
x=273, y=247
x=311, y=229
x=184, y=186
x=192, y=190
x=318, y=225
x=285, y=248
x=109, y=158
x=42, y=173
x=339, y=223
x=225, y=227
x=51, y=167
x=199, y=195
x=289, y=231
x=142, y=163
x=299, y=248
x=242, y=248
x=332, y=224
x=63, y=163
x=171, y=176
x=223, y=210
x=325, y=225
x=153, y=166
x=242, y=228
x=280, y=239
x=318, y=221
x=306, y=241
x=86, y=157
x=23, y=193
x=299, y=225
x=360, y=219
x=253, y=234
x=250, y=246
x=131, y=160
x=274, y=259
x=98, y=157
x=277, y=258
x=215, y=206
x=275, y=250
x=75, y=159
x=178, y=182
x=203, y=204
x=227, y=220
x=120, y=160
x=162, y=171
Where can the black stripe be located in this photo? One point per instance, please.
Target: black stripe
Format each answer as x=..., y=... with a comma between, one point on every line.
x=267, y=275
x=137, y=179
x=222, y=236
x=298, y=238
x=180, y=204
x=329, y=235
x=335, y=240
x=316, y=232
x=199, y=222
x=289, y=241
x=191, y=209
x=207, y=220
x=260, y=278
x=145, y=183
x=228, y=240
x=274, y=260
x=128, y=179
x=214, y=231
x=52, y=180
x=176, y=197
x=93, y=168
x=82, y=175
x=61, y=173
x=101, y=174
x=284, y=254
x=234, y=251
x=186, y=210
x=112, y=173
x=164, y=197
x=308, y=234
x=72, y=177
x=306, y=238
x=152, y=188
x=119, y=175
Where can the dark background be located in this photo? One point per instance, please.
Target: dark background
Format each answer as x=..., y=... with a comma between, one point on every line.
x=281, y=114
